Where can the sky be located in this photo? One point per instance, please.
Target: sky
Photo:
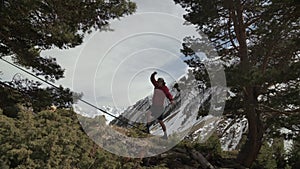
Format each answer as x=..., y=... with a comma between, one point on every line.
x=113, y=67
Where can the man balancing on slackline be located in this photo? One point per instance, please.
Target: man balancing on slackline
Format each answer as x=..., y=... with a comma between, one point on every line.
x=161, y=91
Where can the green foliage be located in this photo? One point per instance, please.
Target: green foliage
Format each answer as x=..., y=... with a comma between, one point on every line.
x=272, y=155
x=31, y=94
x=51, y=140
x=9, y=100
x=211, y=147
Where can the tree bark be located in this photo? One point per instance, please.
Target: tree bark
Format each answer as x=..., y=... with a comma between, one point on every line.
x=201, y=159
x=251, y=148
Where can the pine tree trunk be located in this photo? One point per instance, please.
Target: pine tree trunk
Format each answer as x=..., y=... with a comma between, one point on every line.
x=251, y=148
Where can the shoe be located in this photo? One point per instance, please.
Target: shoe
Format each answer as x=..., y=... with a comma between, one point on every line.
x=147, y=129
x=165, y=136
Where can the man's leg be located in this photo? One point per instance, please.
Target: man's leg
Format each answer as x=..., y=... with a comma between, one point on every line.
x=163, y=126
x=148, y=116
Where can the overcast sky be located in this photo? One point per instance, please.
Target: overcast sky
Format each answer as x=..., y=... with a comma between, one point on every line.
x=113, y=68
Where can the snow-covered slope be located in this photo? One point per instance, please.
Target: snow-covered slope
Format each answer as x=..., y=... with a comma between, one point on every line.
x=231, y=131
x=183, y=118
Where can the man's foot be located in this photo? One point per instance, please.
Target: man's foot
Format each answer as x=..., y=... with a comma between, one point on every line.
x=165, y=136
x=146, y=162
x=147, y=129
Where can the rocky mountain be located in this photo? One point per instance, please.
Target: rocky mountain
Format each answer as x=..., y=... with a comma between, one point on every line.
x=185, y=118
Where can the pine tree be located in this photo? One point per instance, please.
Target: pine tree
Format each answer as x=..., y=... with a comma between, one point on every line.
x=258, y=42
x=30, y=26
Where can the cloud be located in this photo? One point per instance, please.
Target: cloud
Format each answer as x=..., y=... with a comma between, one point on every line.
x=118, y=64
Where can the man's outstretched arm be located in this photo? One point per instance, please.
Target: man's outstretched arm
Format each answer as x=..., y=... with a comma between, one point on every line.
x=152, y=78
x=167, y=93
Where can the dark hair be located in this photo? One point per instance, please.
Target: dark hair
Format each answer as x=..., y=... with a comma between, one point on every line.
x=161, y=80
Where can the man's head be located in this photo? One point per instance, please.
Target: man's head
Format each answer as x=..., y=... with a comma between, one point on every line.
x=161, y=81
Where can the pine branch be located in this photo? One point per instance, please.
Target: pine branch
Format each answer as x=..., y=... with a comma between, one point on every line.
x=230, y=34
x=277, y=112
x=252, y=20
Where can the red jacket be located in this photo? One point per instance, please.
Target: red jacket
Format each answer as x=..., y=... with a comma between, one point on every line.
x=159, y=92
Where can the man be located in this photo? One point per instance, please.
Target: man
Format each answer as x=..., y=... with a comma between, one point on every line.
x=161, y=91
